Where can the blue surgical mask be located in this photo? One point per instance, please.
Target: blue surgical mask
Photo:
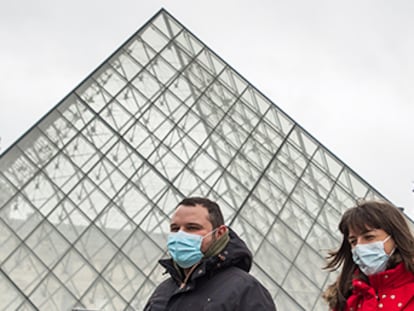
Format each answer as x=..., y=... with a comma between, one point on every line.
x=371, y=257
x=185, y=248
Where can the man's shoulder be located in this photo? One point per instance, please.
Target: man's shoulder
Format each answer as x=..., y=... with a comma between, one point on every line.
x=235, y=273
x=166, y=284
x=243, y=287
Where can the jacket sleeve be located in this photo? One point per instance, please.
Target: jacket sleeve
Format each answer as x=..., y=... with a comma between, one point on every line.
x=149, y=304
x=257, y=298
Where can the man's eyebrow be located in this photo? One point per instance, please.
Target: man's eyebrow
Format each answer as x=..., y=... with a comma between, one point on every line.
x=196, y=224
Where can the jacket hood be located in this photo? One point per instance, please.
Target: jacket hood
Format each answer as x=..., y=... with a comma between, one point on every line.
x=235, y=253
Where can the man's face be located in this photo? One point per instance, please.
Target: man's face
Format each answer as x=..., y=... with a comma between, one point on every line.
x=193, y=219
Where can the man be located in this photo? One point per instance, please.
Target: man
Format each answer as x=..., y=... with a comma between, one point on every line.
x=209, y=265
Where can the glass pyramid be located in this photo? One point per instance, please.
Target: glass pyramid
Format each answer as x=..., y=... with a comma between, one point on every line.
x=87, y=193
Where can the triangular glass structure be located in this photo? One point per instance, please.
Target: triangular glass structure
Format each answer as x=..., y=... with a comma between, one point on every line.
x=86, y=194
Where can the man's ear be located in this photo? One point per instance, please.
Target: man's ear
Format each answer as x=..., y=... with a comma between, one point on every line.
x=221, y=231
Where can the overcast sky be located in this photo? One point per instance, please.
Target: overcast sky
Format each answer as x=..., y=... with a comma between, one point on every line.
x=344, y=70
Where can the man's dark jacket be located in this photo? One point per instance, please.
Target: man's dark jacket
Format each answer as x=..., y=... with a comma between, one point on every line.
x=219, y=283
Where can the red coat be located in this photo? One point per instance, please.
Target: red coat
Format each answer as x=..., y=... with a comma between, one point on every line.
x=388, y=291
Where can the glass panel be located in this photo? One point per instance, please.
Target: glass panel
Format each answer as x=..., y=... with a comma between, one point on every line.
x=37, y=147
x=297, y=218
x=276, y=271
x=353, y=184
x=47, y=244
x=11, y=299
x=126, y=65
x=8, y=241
x=52, y=295
x=285, y=239
x=114, y=223
x=326, y=161
x=301, y=288
x=102, y=296
x=17, y=168
x=189, y=43
x=175, y=56
x=248, y=232
x=150, y=182
x=166, y=24
x=25, y=269
x=211, y=62
x=75, y=272
x=69, y=220
x=89, y=198
x=321, y=240
x=75, y=111
x=93, y=95
x=147, y=84
x=233, y=81
x=20, y=216
x=258, y=215
x=154, y=37
x=287, y=301
x=123, y=276
x=109, y=79
x=310, y=262
x=145, y=250
x=95, y=248
x=58, y=129
x=116, y=116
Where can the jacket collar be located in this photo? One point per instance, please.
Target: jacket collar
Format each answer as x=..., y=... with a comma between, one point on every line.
x=391, y=278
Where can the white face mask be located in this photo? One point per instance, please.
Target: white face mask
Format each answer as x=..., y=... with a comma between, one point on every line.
x=371, y=258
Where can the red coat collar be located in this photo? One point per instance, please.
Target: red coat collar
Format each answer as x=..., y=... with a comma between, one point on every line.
x=390, y=290
x=391, y=278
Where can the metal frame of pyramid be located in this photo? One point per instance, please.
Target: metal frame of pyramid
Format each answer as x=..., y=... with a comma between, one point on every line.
x=87, y=192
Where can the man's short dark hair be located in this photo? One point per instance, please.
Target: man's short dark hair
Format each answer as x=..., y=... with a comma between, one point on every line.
x=214, y=212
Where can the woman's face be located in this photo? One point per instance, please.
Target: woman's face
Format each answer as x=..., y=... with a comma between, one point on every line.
x=370, y=236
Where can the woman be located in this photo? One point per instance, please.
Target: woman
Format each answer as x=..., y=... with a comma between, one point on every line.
x=376, y=259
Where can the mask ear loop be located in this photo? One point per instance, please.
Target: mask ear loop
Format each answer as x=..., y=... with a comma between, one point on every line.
x=211, y=232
